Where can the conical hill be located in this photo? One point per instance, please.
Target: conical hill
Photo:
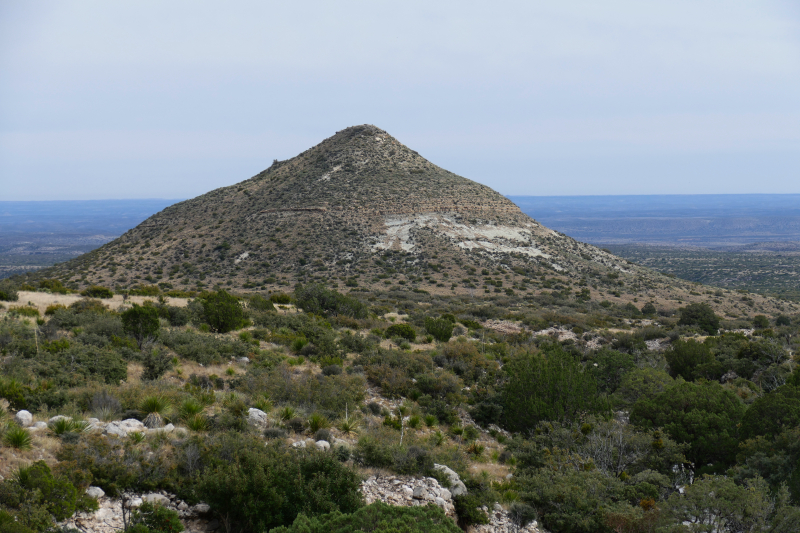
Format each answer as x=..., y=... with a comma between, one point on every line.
x=362, y=211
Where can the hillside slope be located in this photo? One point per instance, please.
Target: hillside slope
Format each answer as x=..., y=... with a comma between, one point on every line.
x=364, y=211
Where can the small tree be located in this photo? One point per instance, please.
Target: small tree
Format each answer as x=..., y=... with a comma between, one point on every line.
x=141, y=323
x=8, y=292
x=223, y=312
x=700, y=315
x=440, y=328
x=96, y=291
x=404, y=331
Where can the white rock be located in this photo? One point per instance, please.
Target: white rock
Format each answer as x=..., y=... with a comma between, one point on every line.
x=155, y=498
x=183, y=506
x=168, y=428
x=93, y=421
x=23, y=418
x=445, y=494
x=440, y=502
x=56, y=418
x=323, y=445
x=244, y=360
x=256, y=417
x=104, y=513
x=299, y=444
x=201, y=508
x=134, y=503
x=457, y=487
x=38, y=426
x=95, y=492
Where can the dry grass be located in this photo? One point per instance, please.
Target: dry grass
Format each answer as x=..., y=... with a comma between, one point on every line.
x=44, y=448
x=41, y=300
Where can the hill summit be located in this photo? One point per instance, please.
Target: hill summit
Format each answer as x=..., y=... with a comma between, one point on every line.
x=360, y=210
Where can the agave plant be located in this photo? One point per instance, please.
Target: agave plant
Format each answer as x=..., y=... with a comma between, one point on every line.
x=136, y=436
x=155, y=409
x=263, y=404
x=197, y=422
x=62, y=426
x=287, y=413
x=17, y=437
x=189, y=408
x=349, y=425
x=317, y=422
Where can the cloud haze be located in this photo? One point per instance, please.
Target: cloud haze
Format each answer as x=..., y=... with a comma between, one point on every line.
x=170, y=99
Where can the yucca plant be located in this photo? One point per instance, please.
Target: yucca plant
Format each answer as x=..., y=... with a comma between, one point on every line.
x=431, y=421
x=414, y=421
x=438, y=438
x=17, y=437
x=287, y=413
x=317, y=422
x=136, y=436
x=155, y=409
x=263, y=404
x=189, y=408
x=349, y=424
x=63, y=426
x=197, y=422
x=476, y=449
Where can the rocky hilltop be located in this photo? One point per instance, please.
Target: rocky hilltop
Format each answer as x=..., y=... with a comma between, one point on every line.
x=362, y=210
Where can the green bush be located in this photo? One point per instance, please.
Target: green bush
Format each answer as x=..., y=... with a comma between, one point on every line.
x=772, y=413
x=404, y=331
x=376, y=518
x=223, y=312
x=547, y=386
x=8, y=291
x=280, y=298
x=96, y=291
x=440, y=328
x=259, y=303
x=141, y=323
x=468, y=510
x=317, y=299
x=156, y=519
x=700, y=315
x=684, y=358
x=259, y=488
x=703, y=415
x=39, y=499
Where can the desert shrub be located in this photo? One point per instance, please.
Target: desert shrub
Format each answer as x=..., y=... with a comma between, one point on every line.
x=203, y=348
x=772, y=414
x=649, y=309
x=274, y=433
x=377, y=518
x=703, y=415
x=404, y=331
x=96, y=291
x=440, y=328
x=117, y=465
x=641, y=383
x=53, y=285
x=356, y=343
x=8, y=291
x=330, y=395
x=258, y=303
x=156, y=363
x=608, y=368
x=24, y=310
x=547, y=386
x=141, y=323
x=88, y=305
x=468, y=510
x=258, y=488
x=280, y=298
x=177, y=316
x=38, y=499
x=684, y=357
x=222, y=312
x=155, y=519
x=317, y=299
x=331, y=370
x=700, y=315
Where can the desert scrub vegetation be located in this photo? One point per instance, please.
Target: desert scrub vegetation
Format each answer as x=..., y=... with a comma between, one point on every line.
x=516, y=387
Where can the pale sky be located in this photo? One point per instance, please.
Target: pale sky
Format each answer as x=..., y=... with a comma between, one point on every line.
x=170, y=99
